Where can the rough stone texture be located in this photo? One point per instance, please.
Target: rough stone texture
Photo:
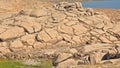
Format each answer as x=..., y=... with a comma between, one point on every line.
x=66, y=64
x=63, y=57
x=29, y=39
x=38, y=13
x=16, y=44
x=12, y=33
x=65, y=32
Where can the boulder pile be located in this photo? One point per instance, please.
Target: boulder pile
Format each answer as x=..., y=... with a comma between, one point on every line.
x=65, y=32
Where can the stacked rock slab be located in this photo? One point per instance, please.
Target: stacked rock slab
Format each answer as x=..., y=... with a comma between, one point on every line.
x=65, y=32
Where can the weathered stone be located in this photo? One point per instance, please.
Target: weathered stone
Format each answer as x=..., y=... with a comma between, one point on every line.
x=93, y=47
x=98, y=13
x=7, y=22
x=67, y=64
x=60, y=6
x=68, y=6
x=96, y=57
x=90, y=11
x=50, y=25
x=78, y=5
x=49, y=45
x=25, y=12
x=5, y=16
x=3, y=44
x=72, y=19
x=24, y=18
x=39, y=45
x=63, y=33
x=70, y=14
x=69, y=22
x=50, y=53
x=66, y=37
x=29, y=39
x=4, y=48
x=3, y=29
x=112, y=52
x=97, y=32
x=95, y=21
x=73, y=51
x=43, y=36
x=30, y=27
x=118, y=48
x=79, y=29
x=44, y=19
x=62, y=44
x=16, y=44
x=58, y=16
x=115, y=29
x=54, y=35
x=12, y=33
x=38, y=12
x=65, y=29
x=62, y=57
x=77, y=40
x=27, y=27
x=26, y=49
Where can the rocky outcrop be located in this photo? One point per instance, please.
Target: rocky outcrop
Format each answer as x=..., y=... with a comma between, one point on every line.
x=65, y=32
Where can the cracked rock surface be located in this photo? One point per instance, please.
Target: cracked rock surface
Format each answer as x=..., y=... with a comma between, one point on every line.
x=65, y=32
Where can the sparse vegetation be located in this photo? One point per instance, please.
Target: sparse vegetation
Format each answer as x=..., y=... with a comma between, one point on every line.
x=19, y=64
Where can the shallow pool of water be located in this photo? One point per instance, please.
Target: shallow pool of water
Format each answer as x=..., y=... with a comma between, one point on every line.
x=102, y=4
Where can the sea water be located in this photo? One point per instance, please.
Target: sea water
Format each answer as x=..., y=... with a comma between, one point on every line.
x=102, y=3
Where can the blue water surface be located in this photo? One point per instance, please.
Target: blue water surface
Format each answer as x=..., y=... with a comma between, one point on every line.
x=102, y=4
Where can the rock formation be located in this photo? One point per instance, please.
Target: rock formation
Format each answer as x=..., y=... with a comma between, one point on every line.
x=65, y=32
